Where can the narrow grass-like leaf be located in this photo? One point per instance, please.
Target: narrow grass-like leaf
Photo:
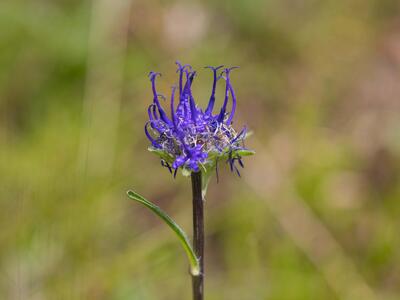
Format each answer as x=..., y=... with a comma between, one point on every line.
x=194, y=261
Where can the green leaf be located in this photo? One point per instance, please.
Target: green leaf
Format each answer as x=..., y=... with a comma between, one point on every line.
x=193, y=260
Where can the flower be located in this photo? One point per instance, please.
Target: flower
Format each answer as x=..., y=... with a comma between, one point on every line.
x=190, y=138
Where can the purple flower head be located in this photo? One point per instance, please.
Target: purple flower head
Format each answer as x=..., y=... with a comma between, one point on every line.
x=190, y=138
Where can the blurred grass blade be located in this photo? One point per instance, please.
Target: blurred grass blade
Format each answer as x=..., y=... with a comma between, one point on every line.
x=194, y=262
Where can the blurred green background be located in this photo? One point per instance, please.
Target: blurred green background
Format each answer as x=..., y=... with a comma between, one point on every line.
x=316, y=212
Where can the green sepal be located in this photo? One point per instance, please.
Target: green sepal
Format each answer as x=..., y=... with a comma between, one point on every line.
x=162, y=154
x=206, y=173
x=186, y=172
x=244, y=152
x=208, y=168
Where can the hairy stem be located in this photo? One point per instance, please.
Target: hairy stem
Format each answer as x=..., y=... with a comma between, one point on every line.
x=198, y=235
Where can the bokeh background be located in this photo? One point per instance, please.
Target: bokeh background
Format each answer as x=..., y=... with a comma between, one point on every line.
x=316, y=214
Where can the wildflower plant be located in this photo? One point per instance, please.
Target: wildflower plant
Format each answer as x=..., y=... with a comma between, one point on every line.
x=195, y=141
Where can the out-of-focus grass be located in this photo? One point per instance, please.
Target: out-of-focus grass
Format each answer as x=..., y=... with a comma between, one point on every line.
x=318, y=85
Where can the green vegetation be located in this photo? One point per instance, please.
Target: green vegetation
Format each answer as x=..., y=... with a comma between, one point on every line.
x=316, y=212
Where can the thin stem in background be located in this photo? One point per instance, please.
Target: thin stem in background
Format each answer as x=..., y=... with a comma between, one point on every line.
x=198, y=235
x=103, y=92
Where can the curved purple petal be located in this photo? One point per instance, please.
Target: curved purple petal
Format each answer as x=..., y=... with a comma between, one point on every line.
x=151, y=139
x=211, y=102
x=163, y=115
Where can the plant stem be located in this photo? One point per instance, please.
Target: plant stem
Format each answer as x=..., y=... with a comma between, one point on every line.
x=198, y=235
